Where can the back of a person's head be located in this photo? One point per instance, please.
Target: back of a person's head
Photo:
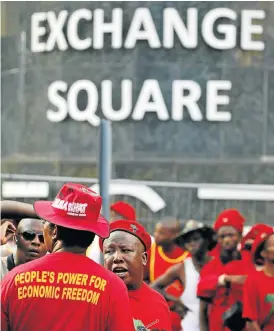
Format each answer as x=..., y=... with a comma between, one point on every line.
x=71, y=237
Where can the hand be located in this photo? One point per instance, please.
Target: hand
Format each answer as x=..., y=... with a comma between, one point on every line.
x=179, y=308
x=233, y=279
x=7, y=232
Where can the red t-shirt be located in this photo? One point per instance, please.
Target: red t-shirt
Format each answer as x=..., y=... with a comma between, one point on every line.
x=259, y=298
x=149, y=309
x=64, y=291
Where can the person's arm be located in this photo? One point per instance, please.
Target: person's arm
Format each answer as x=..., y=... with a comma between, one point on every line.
x=172, y=274
x=252, y=326
x=203, y=315
x=120, y=315
x=16, y=210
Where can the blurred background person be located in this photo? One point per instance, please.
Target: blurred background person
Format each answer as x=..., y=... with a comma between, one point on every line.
x=163, y=254
x=258, y=302
x=197, y=239
x=221, y=281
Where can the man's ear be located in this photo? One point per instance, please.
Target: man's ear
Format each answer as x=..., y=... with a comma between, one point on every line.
x=144, y=258
x=54, y=233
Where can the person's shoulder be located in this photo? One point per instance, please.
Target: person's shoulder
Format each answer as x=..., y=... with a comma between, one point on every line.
x=256, y=276
x=153, y=295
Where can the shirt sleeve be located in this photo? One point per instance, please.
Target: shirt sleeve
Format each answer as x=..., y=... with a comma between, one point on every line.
x=250, y=299
x=120, y=316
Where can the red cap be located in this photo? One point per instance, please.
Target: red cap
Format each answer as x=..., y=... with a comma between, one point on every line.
x=124, y=209
x=75, y=207
x=259, y=240
x=230, y=217
x=254, y=231
x=132, y=227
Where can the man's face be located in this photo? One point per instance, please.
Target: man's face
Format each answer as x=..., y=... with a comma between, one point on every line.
x=194, y=242
x=163, y=235
x=228, y=238
x=124, y=255
x=268, y=251
x=30, y=240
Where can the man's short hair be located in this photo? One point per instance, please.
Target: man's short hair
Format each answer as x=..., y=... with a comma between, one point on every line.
x=71, y=237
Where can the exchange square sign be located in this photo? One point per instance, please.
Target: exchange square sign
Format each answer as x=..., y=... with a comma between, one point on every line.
x=61, y=31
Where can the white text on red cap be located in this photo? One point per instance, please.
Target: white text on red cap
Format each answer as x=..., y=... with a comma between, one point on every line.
x=72, y=208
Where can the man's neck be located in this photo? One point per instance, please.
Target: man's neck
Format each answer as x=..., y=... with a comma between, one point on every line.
x=59, y=247
x=200, y=260
x=18, y=257
x=227, y=256
x=168, y=248
x=269, y=269
x=134, y=287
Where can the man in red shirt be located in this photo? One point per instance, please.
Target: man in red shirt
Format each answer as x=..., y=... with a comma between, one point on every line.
x=125, y=254
x=258, y=303
x=164, y=253
x=221, y=280
x=65, y=290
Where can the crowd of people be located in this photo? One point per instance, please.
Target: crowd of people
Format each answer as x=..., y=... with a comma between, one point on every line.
x=187, y=276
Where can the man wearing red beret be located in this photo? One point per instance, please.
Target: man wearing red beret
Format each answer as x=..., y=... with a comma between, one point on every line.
x=65, y=290
x=125, y=254
x=258, y=302
x=221, y=282
x=164, y=253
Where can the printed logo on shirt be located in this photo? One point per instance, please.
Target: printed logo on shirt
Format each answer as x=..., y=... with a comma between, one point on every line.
x=139, y=326
x=72, y=208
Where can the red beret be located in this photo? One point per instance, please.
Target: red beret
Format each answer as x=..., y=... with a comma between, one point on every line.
x=230, y=217
x=254, y=231
x=259, y=240
x=124, y=209
x=131, y=227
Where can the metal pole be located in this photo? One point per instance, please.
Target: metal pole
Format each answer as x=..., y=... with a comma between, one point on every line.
x=22, y=68
x=105, y=166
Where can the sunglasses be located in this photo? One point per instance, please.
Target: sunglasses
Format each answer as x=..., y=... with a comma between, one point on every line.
x=30, y=235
